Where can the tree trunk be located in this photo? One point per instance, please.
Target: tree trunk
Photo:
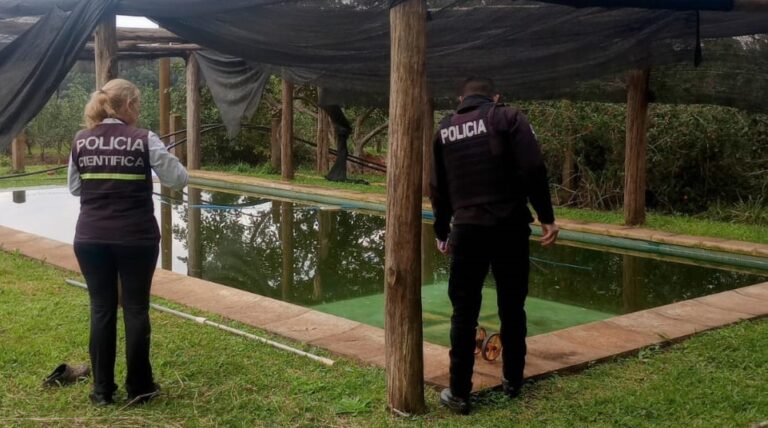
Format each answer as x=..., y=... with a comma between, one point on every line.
x=635, y=156
x=193, y=114
x=403, y=321
x=286, y=132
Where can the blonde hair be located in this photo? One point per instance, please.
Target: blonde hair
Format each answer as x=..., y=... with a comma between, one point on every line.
x=108, y=101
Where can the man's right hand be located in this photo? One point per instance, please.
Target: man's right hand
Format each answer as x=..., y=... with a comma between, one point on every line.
x=443, y=247
x=549, y=234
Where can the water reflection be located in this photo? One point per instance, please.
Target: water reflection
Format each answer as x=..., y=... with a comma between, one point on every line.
x=194, y=234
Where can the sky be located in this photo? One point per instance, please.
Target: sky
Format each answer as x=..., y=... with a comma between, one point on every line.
x=134, y=22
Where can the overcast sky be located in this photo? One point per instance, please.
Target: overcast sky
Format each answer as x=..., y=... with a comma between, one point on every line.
x=134, y=22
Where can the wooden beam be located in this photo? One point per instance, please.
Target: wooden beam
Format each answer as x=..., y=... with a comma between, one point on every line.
x=286, y=132
x=193, y=114
x=635, y=154
x=141, y=47
x=402, y=272
x=105, y=48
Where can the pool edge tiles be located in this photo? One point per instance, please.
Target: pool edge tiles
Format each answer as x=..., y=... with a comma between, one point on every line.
x=562, y=350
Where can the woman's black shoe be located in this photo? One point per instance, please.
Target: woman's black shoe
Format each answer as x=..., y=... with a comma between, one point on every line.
x=457, y=404
x=100, y=399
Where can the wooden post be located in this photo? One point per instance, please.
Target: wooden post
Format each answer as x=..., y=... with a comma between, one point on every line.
x=165, y=96
x=286, y=132
x=193, y=114
x=635, y=156
x=274, y=140
x=402, y=273
x=323, y=142
x=179, y=151
x=286, y=238
x=18, y=151
x=429, y=134
x=105, y=50
x=194, y=241
x=166, y=223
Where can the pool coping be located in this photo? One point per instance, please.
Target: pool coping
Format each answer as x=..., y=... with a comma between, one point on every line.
x=559, y=351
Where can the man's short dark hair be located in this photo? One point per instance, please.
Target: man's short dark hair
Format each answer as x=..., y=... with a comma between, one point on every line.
x=476, y=85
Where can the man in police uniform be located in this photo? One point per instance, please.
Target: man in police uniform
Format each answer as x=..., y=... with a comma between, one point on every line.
x=487, y=167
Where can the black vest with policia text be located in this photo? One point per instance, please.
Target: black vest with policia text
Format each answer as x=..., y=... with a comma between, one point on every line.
x=116, y=195
x=479, y=169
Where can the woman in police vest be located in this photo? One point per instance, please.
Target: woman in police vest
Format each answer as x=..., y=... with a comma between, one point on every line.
x=117, y=235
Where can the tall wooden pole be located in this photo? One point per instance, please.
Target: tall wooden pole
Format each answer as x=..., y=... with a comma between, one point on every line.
x=166, y=223
x=402, y=283
x=635, y=155
x=105, y=50
x=19, y=151
x=322, y=141
x=193, y=114
x=274, y=140
x=179, y=151
x=429, y=133
x=286, y=132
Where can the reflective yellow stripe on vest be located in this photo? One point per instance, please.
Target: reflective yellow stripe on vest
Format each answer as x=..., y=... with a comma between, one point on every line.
x=112, y=176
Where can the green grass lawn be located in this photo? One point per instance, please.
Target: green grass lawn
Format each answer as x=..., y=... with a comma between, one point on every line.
x=47, y=179
x=210, y=378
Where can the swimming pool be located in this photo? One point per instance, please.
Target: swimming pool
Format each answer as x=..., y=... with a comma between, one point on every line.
x=331, y=259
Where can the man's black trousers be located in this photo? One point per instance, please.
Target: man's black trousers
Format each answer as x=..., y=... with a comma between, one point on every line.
x=135, y=264
x=475, y=249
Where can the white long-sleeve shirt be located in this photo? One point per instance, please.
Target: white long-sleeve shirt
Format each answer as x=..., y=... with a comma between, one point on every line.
x=167, y=167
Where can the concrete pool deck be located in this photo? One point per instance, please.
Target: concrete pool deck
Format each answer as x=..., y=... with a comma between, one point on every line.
x=558, y=351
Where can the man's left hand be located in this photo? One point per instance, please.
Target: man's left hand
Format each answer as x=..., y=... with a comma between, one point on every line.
x=549, y=234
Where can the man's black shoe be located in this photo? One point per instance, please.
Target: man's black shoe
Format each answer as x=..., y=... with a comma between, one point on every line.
x=511, y=389
x=457, y=404
x=144, y=397
x=100, y=399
